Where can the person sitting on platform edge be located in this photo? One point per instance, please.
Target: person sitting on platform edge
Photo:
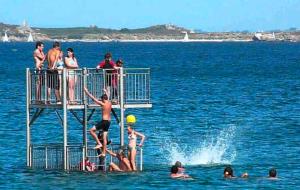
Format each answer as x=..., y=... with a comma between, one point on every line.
x=104, y=124
x=89, y=166
x=124, y=163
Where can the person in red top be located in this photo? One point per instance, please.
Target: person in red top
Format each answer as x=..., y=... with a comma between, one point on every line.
x=110, y=67
x=107, y=63
x=89, y=166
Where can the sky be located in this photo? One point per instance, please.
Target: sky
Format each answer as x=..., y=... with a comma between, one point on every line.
x=205, y=15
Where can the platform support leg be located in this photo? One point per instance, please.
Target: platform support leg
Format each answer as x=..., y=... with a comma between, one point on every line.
x=28, y=137
x=65, y=119
x=122, y=110
x=85, y=118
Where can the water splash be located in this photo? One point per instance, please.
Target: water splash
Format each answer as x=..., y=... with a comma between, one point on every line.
x=215, y=149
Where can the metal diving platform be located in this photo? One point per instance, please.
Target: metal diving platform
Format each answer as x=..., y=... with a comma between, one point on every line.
x=62, y=91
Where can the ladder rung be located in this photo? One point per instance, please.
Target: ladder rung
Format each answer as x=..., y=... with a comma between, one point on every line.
x=93, y=156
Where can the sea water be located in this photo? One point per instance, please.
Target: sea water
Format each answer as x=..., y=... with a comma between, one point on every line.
x=214, y=104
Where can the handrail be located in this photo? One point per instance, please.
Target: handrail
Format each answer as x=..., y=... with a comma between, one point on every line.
x=50, y=156
x=46, y=86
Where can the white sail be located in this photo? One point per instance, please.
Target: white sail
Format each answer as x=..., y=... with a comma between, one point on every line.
x=5, y=38
x=186, y=37
x=30, y=38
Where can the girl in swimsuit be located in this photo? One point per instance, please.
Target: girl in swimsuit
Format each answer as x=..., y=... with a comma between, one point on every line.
x=71, y=64
x=59, y=65
x=132, y=137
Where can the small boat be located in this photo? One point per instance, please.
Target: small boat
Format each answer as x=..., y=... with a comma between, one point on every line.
x=186, y=37
x=5, y=38
x=258, y=36
x=30, y=38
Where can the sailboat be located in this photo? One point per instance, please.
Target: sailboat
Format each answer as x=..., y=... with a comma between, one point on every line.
x=30, y=38
x=5, y=38
x=186, y=37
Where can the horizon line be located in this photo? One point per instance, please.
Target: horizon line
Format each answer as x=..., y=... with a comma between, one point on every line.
x=161, y=24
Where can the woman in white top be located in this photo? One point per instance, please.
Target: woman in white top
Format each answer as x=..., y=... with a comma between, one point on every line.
x=132, y=137
x=71, y=64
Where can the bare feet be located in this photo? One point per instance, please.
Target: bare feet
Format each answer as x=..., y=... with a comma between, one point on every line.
x=101, y=155
x=98, y=146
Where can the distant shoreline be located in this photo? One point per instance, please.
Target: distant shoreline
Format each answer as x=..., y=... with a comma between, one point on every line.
x=150, y=41
x=157, y=33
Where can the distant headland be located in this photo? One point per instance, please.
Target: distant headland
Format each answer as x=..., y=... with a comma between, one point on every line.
x=165, y=32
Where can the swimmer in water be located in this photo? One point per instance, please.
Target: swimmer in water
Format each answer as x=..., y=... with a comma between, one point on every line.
x=228, y=173
x=175, y=173
x=180, y=167
x=272, y=173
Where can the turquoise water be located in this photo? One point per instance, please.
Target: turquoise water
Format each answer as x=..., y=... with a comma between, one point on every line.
x=214, y=104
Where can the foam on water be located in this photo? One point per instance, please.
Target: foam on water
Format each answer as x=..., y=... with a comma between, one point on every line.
x=214, y=149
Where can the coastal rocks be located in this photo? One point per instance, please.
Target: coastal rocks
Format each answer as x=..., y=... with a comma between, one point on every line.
x=153, y=33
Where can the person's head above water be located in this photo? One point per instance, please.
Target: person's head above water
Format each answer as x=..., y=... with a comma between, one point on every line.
x=174, y=170
x=272, y=173
x=228, y=172
x=178, y=164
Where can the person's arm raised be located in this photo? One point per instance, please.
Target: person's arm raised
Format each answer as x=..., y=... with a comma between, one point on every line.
x=92, y=97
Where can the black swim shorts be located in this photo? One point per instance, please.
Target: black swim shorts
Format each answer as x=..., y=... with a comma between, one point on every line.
x=103, y=125
x=53, y=79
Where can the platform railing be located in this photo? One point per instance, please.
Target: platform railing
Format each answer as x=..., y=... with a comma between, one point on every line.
x=46, y=86
x=50, y=157
x=137, y=86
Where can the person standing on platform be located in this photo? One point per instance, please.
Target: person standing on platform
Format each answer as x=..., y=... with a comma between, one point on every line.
x=71, y=64
x=59, y=65
x=104, y=124
x=52, y=73
x=39, y=59
x=132, y=138
x=109, y=65
x=115, y=81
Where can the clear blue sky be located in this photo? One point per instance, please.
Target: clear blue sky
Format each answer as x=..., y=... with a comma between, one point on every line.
x=208, y=15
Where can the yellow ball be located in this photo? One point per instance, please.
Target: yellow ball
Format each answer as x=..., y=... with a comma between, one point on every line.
x=130, y=119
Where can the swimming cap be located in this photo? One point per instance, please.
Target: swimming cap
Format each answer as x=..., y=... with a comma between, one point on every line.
x=130, y=119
